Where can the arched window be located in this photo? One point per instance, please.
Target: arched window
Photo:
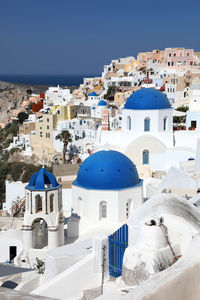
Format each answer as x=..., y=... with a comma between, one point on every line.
x=51, y=202
x=165, y=124
x=129, y=123
x=102, y=210
x=80, y=206
x=38, y=203
x=146, y=124
x=145, y=157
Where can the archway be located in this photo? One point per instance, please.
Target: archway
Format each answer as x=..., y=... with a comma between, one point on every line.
x=38, y=203
x=52, y=203
x=40, y=233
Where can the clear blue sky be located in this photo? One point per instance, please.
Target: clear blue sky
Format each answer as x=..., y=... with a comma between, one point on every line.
x=80, y=36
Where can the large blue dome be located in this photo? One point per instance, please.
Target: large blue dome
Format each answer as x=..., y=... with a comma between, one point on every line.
x=92, y=94
x=107, y=170
x=42, y=180
x=102, y=103
x=147, y=98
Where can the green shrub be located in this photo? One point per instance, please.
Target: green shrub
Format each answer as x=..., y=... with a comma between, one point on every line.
x=16, y=170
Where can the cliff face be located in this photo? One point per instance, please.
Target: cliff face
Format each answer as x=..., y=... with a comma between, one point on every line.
x=12, y=95
x=10, y=99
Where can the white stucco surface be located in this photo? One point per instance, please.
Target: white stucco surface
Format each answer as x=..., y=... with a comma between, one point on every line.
x=14, y=192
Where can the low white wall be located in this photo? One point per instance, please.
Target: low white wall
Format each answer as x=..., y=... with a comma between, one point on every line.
x=179, y=282
x=72, y=282
x=29, y=283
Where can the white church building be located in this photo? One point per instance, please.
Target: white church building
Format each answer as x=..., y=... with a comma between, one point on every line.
x=147, y=136
x=107, y=190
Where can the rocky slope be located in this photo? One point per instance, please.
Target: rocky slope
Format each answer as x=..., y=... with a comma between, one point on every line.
x=12, y=95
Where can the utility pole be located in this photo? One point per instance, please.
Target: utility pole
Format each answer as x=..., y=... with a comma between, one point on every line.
x=103, y=267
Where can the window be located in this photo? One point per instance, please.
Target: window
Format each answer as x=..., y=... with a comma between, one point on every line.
x=80, y=206
x=40, y=133
x=47, y=135
x=174, y=54
x=51, y=203
x=47, y=119
x=38, y=203
x=165, y=124
x=27, y=202
x=47, y=127
x=188, y=54
x=170, y=54
x=102, y=210
x=146, y=124
x=145, y=157
x=193, y=124
x=129, y=123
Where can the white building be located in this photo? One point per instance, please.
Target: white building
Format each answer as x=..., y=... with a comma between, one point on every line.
x=57, y=96
x=147, y=133
x=107, y=190
x=44, y=213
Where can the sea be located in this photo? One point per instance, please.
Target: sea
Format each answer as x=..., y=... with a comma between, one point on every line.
x=50, y=80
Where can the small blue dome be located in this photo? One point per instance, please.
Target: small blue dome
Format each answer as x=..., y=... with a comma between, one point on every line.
x=102, y=103
x=42, y=180
x=93, y=94
x=147, y=98
x=107, y=170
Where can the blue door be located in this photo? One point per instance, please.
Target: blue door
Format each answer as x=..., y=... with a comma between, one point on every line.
x=118, y=242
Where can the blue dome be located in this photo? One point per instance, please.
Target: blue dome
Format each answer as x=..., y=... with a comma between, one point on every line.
x=102, y=103
x=42, y=180
x=107, y=170
x=92, y=94
x=147, y=98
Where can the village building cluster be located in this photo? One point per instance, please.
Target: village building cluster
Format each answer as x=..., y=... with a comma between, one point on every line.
x=119, y=216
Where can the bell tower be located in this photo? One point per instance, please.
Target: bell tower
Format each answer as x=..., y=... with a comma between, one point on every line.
x=43, y=212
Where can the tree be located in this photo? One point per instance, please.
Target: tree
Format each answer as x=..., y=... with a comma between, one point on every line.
x=29, y=91
x=66, y=138
x=182, y=108
x=22, y=116
x=110, y=93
